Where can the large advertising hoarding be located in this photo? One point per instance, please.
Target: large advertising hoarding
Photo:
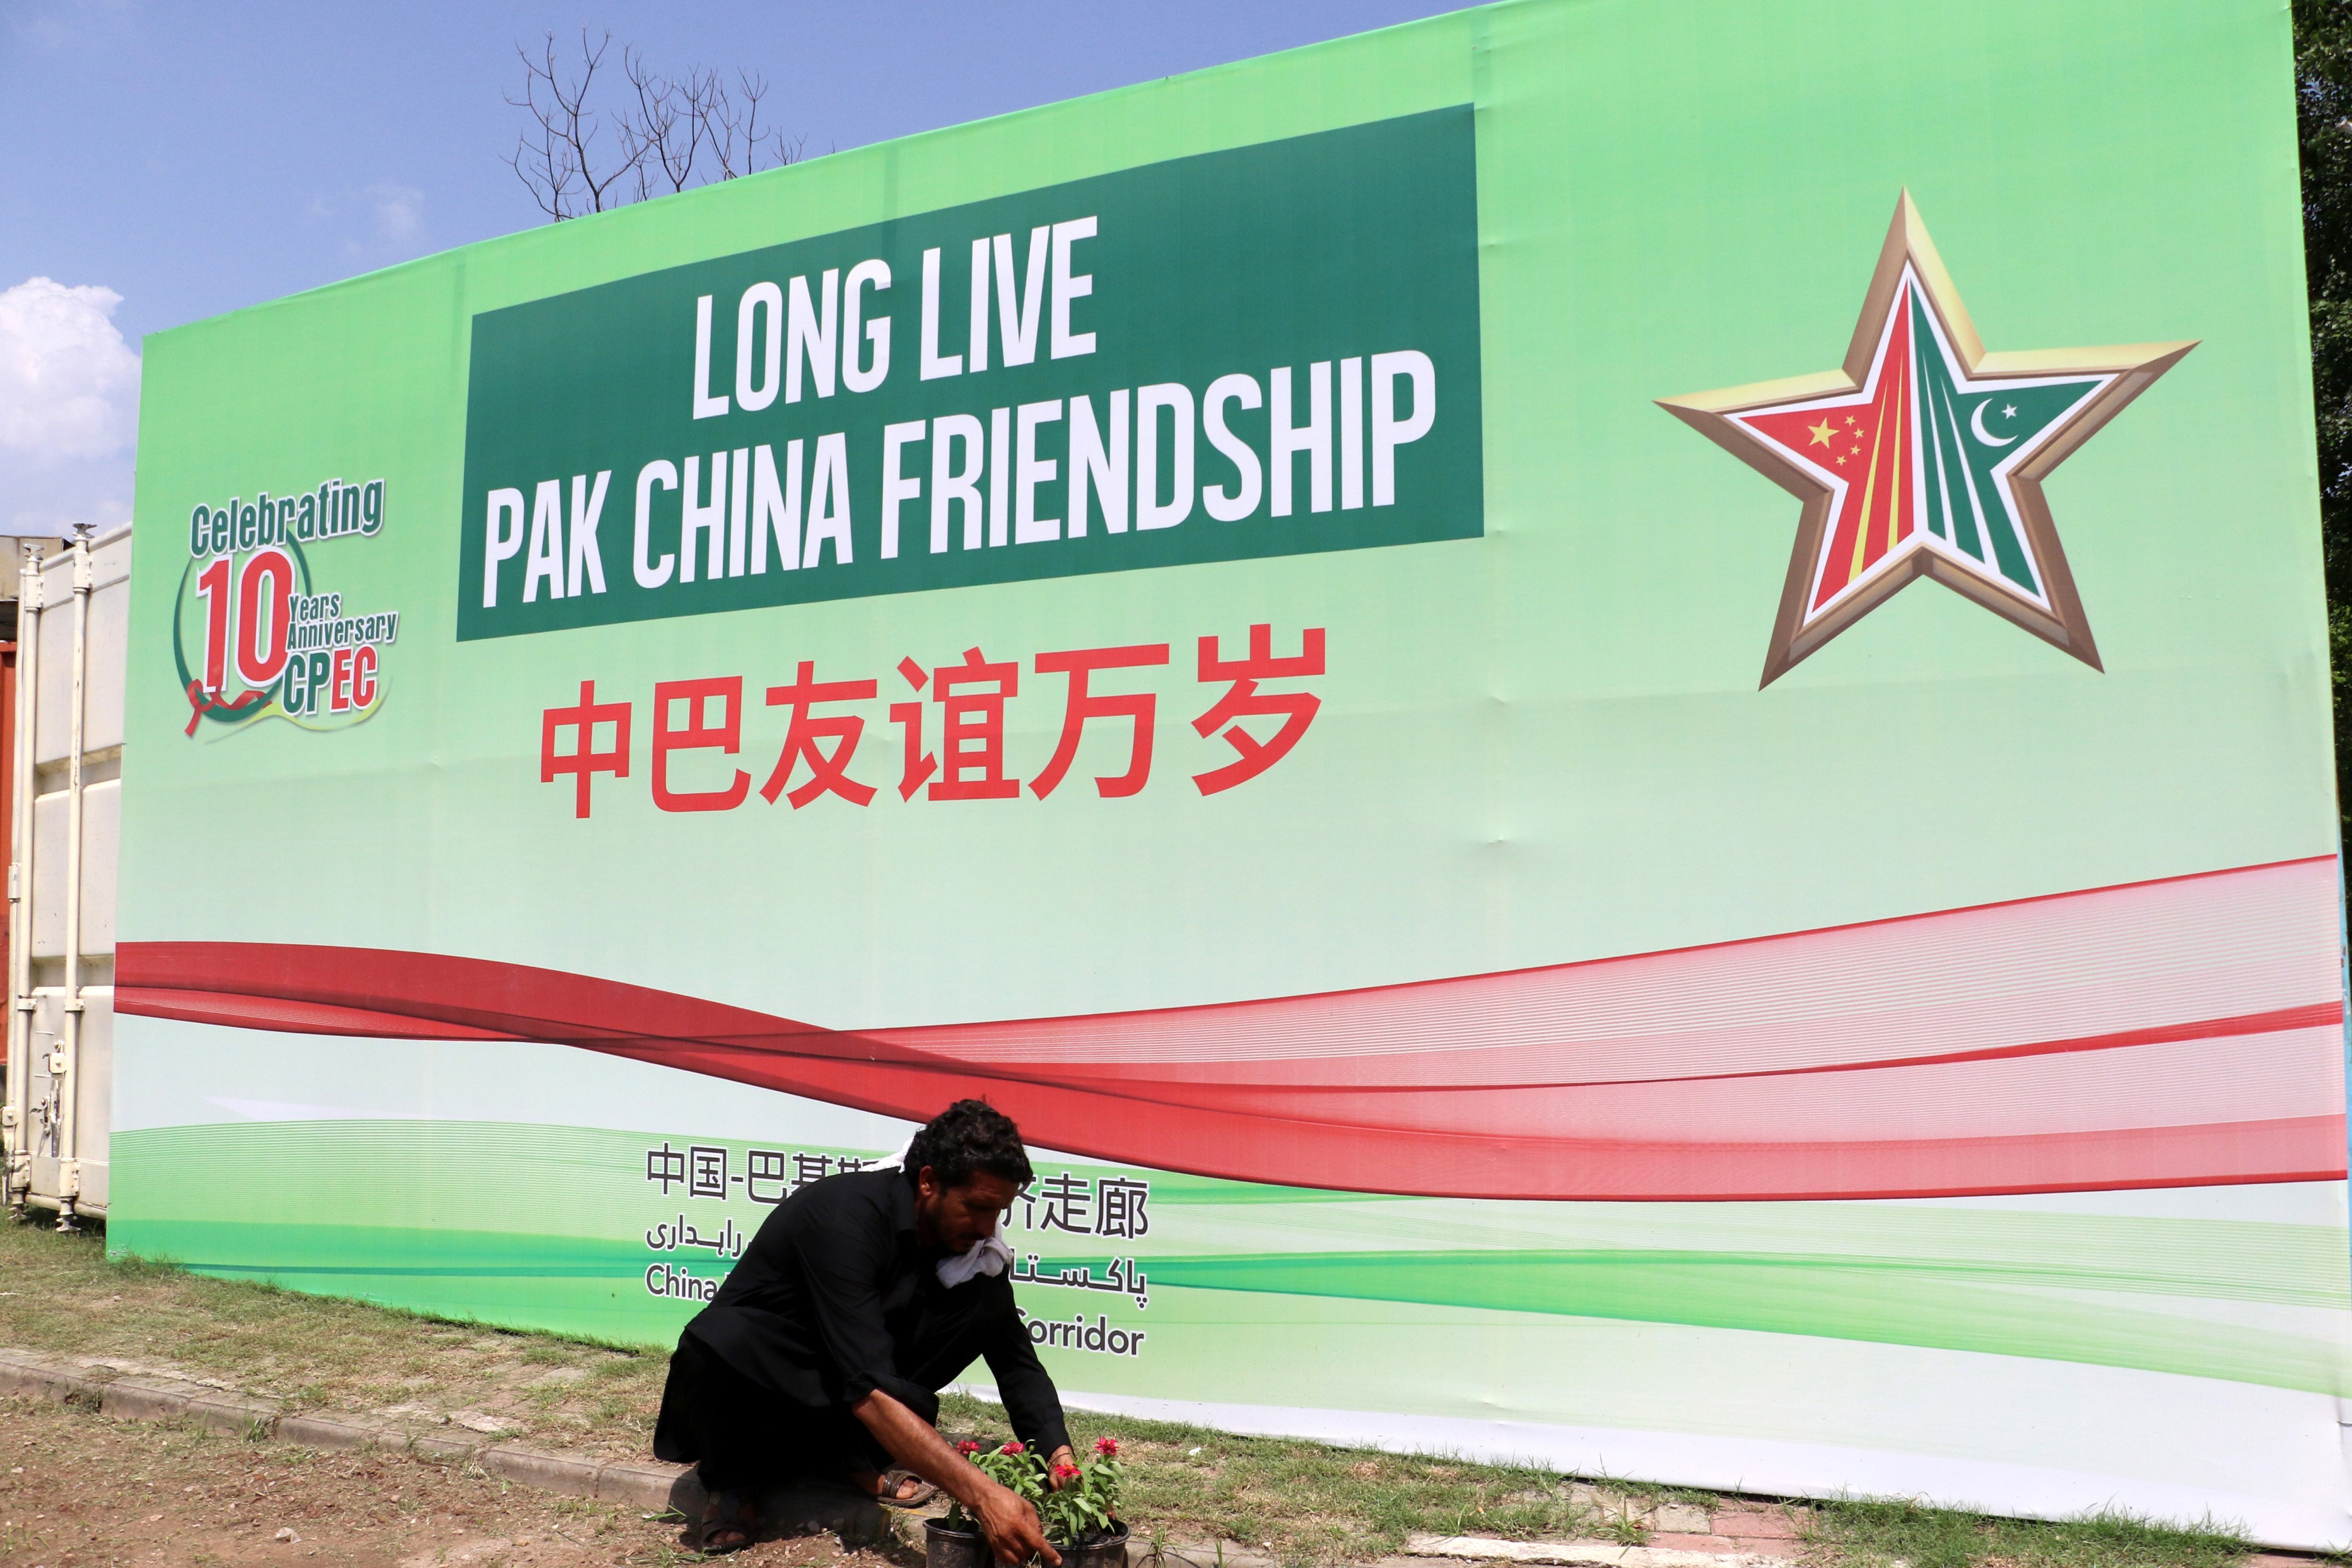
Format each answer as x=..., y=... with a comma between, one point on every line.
x=1612, y=718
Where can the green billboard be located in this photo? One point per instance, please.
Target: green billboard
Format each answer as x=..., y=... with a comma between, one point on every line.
x=1203, y=615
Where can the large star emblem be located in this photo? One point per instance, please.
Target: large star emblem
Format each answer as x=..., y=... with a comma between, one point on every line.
x=1923, y=456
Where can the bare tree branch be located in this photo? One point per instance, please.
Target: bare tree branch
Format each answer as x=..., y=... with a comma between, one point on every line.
x=679, y=132
x=539, y=159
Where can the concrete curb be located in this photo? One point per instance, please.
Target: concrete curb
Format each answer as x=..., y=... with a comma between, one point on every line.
x=1199, y=1553
x=21, y=1372
x=641, y=1483
x=1582, y=1553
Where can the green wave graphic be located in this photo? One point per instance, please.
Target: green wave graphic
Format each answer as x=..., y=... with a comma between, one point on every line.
x=481, y=1221
x=1930, y=1304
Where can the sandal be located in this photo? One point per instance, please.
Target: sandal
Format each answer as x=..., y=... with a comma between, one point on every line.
x=727, y=1524
x=893, y=1482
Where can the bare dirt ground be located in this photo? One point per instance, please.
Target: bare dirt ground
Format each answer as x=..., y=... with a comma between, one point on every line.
x=78, y=1490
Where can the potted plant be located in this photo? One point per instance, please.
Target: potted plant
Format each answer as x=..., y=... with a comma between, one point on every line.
x=1081, y=1509
x=1078, y=1504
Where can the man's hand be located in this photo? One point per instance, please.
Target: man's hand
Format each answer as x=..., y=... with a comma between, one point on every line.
x=1011, y=1525
x=1062, y=1458
x=1007, y=1520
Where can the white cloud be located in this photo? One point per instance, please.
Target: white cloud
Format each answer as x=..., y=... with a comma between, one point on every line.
x=376, y=224
x=399, y=211
x=68, y=383
x=68, y=408
x=66, y=24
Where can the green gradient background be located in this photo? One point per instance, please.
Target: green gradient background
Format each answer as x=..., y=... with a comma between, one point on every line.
x=402, y=1219
x=1541, y=745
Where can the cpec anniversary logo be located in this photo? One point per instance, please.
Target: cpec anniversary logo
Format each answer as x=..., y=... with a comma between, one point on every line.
x=253, y=637
x=1923, y=456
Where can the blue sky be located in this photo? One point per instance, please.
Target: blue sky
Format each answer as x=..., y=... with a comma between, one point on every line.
x=167, y=163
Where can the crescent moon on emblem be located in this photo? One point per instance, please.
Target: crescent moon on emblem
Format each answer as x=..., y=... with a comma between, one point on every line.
x=1976, y=423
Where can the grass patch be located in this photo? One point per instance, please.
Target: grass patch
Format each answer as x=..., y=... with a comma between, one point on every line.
x=1873, y=1532
x=1301, y=1502
x=61, y=1293
x=1307, y=1503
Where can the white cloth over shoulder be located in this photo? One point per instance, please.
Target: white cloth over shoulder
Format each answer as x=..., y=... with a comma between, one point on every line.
x=989, y=1254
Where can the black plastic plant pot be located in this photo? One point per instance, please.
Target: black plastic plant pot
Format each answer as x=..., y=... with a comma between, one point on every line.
x=1109, y=1550
x=945, y=1548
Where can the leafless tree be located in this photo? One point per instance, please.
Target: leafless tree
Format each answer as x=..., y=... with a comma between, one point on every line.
x=668, y=134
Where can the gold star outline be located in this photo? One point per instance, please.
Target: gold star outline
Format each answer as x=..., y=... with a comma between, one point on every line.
x=2134, y=367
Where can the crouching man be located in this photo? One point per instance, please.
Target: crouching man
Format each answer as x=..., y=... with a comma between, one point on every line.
x=861, y=1297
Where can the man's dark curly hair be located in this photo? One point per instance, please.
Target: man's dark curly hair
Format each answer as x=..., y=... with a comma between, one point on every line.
x=967, y=1138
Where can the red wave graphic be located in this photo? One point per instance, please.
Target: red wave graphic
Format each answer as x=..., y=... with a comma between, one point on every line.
x=2187, y=1032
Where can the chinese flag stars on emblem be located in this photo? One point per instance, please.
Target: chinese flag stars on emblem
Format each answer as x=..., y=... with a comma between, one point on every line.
x=1866, y=461
x=1923, y=456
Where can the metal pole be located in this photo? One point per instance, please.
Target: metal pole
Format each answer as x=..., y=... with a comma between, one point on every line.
x=15, y=1111
x=69, y=1082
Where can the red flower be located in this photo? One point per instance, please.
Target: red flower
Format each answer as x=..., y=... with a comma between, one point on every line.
x=967, y=1446
x=1013, y=1448
x=1107, y=1446
x=1065, y=1472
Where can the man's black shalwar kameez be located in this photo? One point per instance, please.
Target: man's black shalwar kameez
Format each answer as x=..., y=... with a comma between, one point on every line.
x=833, y=1300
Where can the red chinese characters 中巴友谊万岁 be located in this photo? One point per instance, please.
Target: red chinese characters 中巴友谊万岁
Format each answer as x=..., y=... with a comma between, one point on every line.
x=952, y=727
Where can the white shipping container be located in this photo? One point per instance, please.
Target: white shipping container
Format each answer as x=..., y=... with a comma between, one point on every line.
x=56, y=1100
